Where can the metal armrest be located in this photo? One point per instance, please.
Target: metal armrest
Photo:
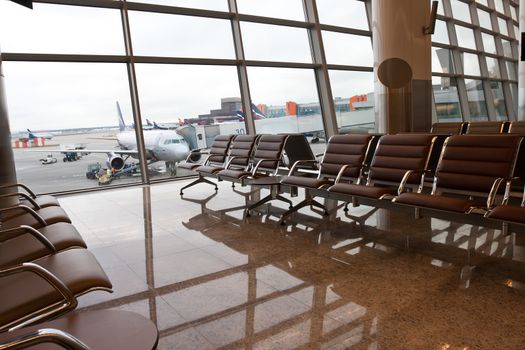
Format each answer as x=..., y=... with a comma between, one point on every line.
x=27, y=189
x=299, y=162
x=342, y=171
x=13, y=232
x=27, y=209
x=194, y=152
x=69, y=303
x=494, y=192
x=45, y=335
x=23, y=195
x=264, y=160
x=405, y=178
x=233, y=158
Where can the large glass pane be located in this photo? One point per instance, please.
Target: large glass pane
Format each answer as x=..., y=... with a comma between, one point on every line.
x=217, y=5
x=446, y=99
x=72, y=107
x=442, y=61
x=348, y=49
x=514, y=12
x=441, y=33
x=60, y=29
x=499, y=100
x=507, y=48
x=499, y=6
x=465, y=37
x=484, y=19
x=484, y=2
x=156, y=34
x=288, y=100
x=440, y=8
x=489, y=45
x=511, y=70
x=344, y=13
x=460, y=10
x=290, y=9
x=267, y=42
x=470, y=64
x=353, y=94
x=493, y=68
x=502, y=23
x=476, y=100
x=174, y=95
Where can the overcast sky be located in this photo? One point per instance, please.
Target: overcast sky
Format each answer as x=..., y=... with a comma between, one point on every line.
x=67, y=95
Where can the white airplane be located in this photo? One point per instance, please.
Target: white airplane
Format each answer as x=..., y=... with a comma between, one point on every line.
x=161, y=145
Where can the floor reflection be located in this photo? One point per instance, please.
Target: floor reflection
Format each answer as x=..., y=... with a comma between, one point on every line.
x=210, y=277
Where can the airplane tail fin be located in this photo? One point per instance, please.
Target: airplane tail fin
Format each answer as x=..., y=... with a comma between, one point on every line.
x=30, y=134
x=148, y=123
x=121, y=124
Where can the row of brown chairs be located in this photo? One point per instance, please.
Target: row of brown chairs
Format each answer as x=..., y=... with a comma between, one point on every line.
x=468, y=128
x=44, y=268
x=469, y=166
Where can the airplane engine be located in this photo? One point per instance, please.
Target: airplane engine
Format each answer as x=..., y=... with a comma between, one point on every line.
x=115, y=162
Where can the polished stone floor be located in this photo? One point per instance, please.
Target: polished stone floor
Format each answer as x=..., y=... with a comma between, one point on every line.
x=372, y=279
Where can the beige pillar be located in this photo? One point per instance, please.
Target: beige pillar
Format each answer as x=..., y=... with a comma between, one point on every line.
x=402, y=65
x=7, y=162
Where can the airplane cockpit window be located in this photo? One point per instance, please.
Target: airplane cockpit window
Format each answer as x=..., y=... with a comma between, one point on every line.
x=175, y=141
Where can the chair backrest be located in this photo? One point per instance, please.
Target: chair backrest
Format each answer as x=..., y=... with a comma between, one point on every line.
x=242, y=146
x=451, y=128
x=269, y=147
x=349, y=149
x=486, y=127
x=397, y=154
x=219, y=149
x=517, y=127
x=471, y=163
x=298, y=148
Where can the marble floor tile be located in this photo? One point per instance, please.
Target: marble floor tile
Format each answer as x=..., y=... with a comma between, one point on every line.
x=372, y=279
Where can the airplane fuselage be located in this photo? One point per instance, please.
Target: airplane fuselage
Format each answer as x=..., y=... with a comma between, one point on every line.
x=163, y=145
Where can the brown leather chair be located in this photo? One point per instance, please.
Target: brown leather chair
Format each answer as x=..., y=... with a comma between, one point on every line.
x=509, y=213
x=342, y=151
x=239, y=154
x=24, y=243
x=450, y=128
x=264, y=161
x=517, y=127
x=48, y=287
x=470, y=166
x=484, y=128
x=400, y=161
x=29, y=198
x=15, y=216
x=100, y=329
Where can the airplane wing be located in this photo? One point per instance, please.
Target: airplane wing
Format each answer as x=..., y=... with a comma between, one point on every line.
x=63, y=150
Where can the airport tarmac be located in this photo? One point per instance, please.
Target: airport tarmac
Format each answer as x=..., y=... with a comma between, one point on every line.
x=67, y=176
x=70, y=176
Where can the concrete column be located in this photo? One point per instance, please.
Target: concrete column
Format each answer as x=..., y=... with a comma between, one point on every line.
x=402, y=65
x=7, y=160
x=521, y=66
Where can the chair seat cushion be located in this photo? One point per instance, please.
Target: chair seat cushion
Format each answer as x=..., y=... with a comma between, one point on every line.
x=233, y=174
x=51, y=215
x=208, y=169
x=24, y=293
x=508, y=213
x=25, y=247
x=307, y=182
x=458, y=205
x=188, y=166
x=362, y=190
x=43, y=201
